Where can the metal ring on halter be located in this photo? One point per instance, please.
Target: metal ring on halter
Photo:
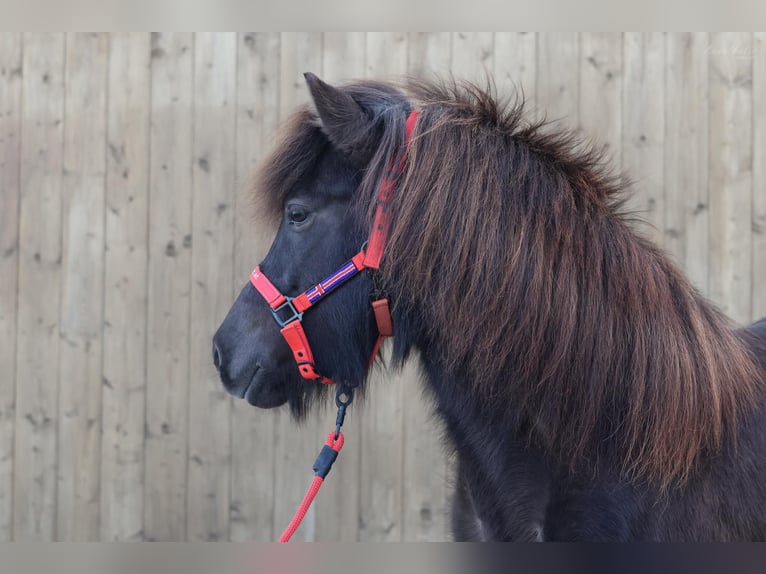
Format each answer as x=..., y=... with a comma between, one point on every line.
x=343, y=389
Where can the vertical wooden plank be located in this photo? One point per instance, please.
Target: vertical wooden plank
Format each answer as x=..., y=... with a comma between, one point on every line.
x=601, y=90
x=557, y=78
x=170, y=240
x=34, y=485
x=10, y=142
x=127, y=201
x=343, y=55
x=215, y=58
x=759, y=176
x=337, y=509
x=82, y=288
x=252, y=466
x=516, y=64
x=296, y=445
x=425, y=496
x=686, y=154
x=382, y=489
x=731, y=172
x=643, y=136
x=430, y=53
x=473, y=56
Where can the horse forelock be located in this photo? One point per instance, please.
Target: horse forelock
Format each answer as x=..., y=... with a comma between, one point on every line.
x=292, y=158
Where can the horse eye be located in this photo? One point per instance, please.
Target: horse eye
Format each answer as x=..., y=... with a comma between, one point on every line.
x=297, y=215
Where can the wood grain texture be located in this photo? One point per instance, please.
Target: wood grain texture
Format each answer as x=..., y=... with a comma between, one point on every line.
x=251, y=513
x=10, y=189
x=125, y=298
x=731, y=172
x=209, y=465
x=759, y=177
x=643, y=125
x=37, y=343
x=82, y=288
x=516, y=65
x=169, y=285
x=601, y=90
x=473, y=56
x=687, y=202
x=558, y=77
x=430, y=54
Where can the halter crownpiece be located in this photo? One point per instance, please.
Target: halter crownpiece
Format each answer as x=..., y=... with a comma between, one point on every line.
x=288, y=311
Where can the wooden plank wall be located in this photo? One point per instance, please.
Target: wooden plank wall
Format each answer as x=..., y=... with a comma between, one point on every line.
x=126, y=232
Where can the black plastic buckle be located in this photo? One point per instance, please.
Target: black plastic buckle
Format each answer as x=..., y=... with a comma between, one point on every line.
x=290, y=308
x=377, y=292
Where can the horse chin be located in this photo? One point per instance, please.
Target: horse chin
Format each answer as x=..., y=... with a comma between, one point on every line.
x=263, y=392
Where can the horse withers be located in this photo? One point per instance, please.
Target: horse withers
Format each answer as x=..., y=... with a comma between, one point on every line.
x=588, y=391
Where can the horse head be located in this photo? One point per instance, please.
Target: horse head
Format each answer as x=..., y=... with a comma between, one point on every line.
x=311, y=181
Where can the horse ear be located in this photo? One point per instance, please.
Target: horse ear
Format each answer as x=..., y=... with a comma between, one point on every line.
x=343, y=120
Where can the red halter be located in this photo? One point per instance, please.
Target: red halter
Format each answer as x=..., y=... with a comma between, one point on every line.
x=288, y=311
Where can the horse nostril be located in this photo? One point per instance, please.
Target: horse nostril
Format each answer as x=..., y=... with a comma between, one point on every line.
x=217, y=357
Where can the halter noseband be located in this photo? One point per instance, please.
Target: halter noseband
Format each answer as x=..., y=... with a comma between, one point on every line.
x=288, y=311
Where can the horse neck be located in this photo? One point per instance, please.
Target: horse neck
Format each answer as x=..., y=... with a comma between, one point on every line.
x=613, y=355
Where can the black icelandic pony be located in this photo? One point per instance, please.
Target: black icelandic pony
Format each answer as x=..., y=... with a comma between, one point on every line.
x=589, y=392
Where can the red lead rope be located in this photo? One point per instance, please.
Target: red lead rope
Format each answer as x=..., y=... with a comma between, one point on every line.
x=322, y=466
